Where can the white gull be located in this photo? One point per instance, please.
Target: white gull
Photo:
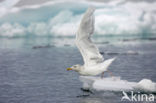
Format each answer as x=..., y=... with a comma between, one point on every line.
x=94, y=62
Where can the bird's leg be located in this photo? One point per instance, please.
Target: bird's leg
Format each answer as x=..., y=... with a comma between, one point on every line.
x=102, y=75
x=110, y=73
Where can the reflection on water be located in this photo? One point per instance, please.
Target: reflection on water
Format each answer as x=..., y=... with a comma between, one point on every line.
x=69, y=41
x=103, y=97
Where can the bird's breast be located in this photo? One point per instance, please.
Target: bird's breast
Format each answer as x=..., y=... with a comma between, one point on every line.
x=91, y=71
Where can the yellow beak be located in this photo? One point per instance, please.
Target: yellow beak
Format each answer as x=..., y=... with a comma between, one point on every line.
x=69, y=69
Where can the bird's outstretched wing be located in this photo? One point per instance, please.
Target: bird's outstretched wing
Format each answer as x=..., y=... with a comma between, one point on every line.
x=89, y=51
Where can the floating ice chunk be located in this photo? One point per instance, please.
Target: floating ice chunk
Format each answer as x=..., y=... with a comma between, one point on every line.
x=146, y=85
x=116, y=84
x=112, y=84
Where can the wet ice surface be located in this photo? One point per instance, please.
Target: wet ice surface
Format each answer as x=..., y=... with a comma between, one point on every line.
x=39, y=75
x=116, y=84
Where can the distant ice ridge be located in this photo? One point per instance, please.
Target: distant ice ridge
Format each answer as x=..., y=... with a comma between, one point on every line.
x=116, y=84
x=61, y=18
x=6, y=5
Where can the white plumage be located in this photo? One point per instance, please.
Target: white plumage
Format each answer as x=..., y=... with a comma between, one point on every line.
x=88, y=50
x=94, y=63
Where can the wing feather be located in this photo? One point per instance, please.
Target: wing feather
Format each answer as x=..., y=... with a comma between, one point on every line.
x=88, y=50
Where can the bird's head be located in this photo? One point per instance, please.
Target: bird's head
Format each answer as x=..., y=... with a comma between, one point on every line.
x=76, y=68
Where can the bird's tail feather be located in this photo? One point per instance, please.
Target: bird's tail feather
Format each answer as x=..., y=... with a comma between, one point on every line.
x=108, y=62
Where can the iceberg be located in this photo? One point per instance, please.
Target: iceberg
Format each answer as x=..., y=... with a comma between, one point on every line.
x=61, y=18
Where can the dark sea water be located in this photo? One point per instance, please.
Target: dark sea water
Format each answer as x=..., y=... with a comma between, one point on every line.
x=34, y=70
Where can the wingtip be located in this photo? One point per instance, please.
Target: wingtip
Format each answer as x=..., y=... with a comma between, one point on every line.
x=91, y=9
